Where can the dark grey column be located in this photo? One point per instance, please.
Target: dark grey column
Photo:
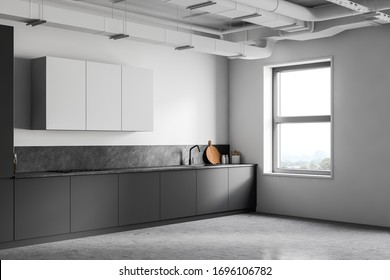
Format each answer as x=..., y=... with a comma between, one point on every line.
x=6, y=101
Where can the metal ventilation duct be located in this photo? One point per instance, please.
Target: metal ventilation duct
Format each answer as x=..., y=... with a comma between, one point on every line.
x=115, y=29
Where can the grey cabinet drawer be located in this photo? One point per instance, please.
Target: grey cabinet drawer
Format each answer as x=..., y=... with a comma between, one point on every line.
x=178, y=194
x=94, y=202
x=212, y=191
x=139, y=198
x=242, y=188
x=42, y=207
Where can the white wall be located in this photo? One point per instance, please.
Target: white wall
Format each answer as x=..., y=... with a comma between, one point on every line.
x=190, y=89
x=360, y=190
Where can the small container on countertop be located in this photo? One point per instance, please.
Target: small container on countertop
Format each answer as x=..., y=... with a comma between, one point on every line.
x=235, y=158
x=225, y=159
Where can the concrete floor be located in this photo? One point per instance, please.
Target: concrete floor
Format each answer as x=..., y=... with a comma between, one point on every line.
x=244, y=236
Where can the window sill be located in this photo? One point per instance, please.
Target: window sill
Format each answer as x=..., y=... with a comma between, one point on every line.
x=310, y=176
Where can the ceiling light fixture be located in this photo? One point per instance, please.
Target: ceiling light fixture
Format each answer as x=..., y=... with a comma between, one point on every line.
x=119, y=36
x=185, y=47
x=190, y=45
x=201, y=5
x=36, y=21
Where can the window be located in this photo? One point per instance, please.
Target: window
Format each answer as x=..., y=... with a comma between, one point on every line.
x=301, y=119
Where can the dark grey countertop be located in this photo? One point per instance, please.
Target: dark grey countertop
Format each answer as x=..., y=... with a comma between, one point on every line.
x=58, y=173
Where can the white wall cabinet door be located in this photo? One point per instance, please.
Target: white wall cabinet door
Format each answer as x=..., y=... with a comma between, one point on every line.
x=63, y=89
x=103, y=96
x=137, y=99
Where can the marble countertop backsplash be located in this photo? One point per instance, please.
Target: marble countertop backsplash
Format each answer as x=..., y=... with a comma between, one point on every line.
x=64, y=158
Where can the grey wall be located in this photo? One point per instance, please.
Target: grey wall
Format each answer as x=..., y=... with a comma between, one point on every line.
x=360, y=191
x=190, y=89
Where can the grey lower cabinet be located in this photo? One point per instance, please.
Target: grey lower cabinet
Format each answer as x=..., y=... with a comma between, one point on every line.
x=39, y=207
x=178, y=194
x=139, y=198
x=94, y=202
x=242, y=189
x=6, y=210
x=42, y=207
x=212, y=190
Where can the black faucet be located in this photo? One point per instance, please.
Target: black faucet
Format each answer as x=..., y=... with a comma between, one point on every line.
x=196, y=146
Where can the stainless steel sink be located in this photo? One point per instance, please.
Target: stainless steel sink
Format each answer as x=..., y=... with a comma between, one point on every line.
x=185, y=166
x=193, y=165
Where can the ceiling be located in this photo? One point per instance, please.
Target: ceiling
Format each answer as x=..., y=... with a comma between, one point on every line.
x=172, y=11
x=175, y=14
x=253, y=23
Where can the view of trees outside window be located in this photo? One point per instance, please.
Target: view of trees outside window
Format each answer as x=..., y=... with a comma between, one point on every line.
x=305, y=146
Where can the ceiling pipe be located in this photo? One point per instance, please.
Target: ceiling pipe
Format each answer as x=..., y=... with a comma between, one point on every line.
x=326, y=12
x=255, y=36
x=328, y=32
x=253, y=53
x=134, y=17
x=240, y=29
x=284, y=8
x=83, y=22
x=311, y=29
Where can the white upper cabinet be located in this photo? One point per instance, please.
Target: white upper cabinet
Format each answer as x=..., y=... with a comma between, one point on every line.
x=137, y=99
x=72, y=94
x=104, y=86
x=59, y=94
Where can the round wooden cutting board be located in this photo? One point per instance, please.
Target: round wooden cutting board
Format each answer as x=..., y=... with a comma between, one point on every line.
x=212, y=154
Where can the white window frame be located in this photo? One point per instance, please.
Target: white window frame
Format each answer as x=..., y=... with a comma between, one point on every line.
x=272, y=120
